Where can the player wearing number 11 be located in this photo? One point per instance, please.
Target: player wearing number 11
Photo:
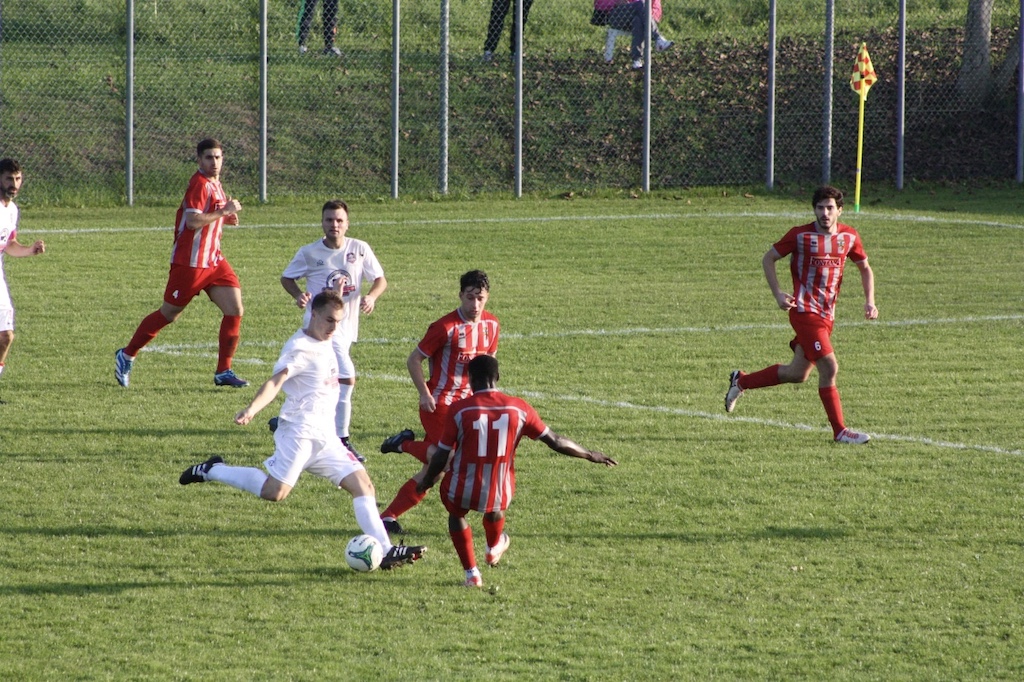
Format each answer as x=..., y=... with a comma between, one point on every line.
x=478, y=449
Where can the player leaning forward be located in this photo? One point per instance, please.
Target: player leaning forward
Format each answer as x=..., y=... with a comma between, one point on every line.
x=343, y=264
x=307, y=372
x=818, y=252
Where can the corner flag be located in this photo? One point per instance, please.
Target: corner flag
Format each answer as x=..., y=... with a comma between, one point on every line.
x=861, y=80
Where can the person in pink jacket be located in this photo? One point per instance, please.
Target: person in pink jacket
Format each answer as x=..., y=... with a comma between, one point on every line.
x=631, y=17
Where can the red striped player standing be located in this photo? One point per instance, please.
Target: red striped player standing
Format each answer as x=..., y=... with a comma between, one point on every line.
x=448, y=346
x=197, y=265
x=478, y=450
x=818, y=253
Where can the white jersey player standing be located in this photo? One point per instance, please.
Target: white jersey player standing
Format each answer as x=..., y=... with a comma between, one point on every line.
x=340, y=263
x=307, y=372
x=10, y=185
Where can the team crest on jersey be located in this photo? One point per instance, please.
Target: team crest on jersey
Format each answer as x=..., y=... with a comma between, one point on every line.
x=5, y=234
x=319, y=262
x=343, y=277
x=350, y=258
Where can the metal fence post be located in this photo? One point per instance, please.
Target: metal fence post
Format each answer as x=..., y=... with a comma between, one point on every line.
x=129, y=103
x=826, y=143
x=263, y=103
x=396, y=9
x=770, y=113
x=442, y=166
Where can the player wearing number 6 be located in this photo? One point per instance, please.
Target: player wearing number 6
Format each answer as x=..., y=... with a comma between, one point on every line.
x=818, y=252
x=478, y=450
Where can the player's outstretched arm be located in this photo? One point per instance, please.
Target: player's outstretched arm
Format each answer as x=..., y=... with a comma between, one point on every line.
x=264, y=396
x=567, y=446
x=18, y=250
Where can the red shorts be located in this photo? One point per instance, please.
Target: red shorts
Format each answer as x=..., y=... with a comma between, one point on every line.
x=813, y=334
x=184, y=283
x=433, y=426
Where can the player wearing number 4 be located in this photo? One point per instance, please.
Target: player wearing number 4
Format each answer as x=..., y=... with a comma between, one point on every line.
x=197, y=265
x=307, y=372
x=818, y=252
x=478, y=449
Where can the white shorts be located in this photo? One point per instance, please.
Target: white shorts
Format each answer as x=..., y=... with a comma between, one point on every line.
x=294, y=454
x=6, y=319
x=342, y=349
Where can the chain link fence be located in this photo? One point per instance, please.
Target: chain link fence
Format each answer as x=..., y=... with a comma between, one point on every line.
x=64, y=97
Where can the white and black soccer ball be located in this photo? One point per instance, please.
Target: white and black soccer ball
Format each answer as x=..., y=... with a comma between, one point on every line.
x=364, y=553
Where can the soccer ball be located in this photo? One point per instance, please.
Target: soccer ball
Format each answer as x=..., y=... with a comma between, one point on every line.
x=364, y=553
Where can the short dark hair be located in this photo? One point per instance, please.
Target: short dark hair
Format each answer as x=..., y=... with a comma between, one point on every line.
x=475, y=279
x=208, y=143
x=333, y=205
x=9, y=166
x=326, y=298
x=483, y=369
x=827, y=192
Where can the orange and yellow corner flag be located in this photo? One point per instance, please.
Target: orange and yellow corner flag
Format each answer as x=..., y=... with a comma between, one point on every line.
x=863, y=76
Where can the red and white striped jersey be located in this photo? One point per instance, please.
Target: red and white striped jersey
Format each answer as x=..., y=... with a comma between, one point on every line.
x=483, y=431
x=199, y=248
x=816, y=263
x=449, y=344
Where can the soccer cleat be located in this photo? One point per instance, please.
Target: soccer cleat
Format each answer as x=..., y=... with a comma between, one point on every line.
x=663, y=44
x=394, y=443
x=474, y=580
x=122, y=367
x=401, y=554
x=494, y=554
x=332, y=51
x=272, y=424
x=734, y=392
x=852, y=437
x=348, y=444
x=393, y=527
x=228, y=378
x=197, y=472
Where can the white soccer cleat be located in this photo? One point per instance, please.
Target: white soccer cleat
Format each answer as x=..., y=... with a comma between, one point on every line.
x=734, y=392
x=494, y=554
x=852, y=437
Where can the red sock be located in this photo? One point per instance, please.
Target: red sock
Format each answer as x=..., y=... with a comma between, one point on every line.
x=769, y=376
x=230, y=328
x=493, y=531
x=406, y=499
x=833, y=408
x=463, y=541
x=416, y=448
x=147, y=331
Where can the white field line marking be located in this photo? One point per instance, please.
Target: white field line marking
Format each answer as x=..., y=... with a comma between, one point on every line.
x=860, y=217
x=206, y=350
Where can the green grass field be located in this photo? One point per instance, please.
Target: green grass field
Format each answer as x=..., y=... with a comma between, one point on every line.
x=743, y=546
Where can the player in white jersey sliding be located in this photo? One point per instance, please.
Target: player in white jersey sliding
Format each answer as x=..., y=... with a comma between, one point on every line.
x=341, y=263
x=10, y=185
x=307, y=372
x=817, y=252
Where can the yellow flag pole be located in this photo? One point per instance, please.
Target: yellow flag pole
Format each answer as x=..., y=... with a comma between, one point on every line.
x=860, y=149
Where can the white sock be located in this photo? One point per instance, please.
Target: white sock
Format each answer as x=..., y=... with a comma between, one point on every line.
x=1, y=368
x=343, y=413
x=369, y=521
x=249, y=479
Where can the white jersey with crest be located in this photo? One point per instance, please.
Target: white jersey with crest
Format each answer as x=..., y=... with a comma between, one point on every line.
x=322, y=266
x=8, y=230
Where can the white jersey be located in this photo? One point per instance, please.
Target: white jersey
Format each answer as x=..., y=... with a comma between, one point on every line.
x=321, y=267
x=8, y=229
x=311, y=388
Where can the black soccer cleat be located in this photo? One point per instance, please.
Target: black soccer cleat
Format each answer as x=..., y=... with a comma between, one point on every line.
x=393, y=527
x=197, y=472
x=402, y=554
x=348, y=444
x=394, y=443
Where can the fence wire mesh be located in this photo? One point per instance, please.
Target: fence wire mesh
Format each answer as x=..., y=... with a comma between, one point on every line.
x=197, y=73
